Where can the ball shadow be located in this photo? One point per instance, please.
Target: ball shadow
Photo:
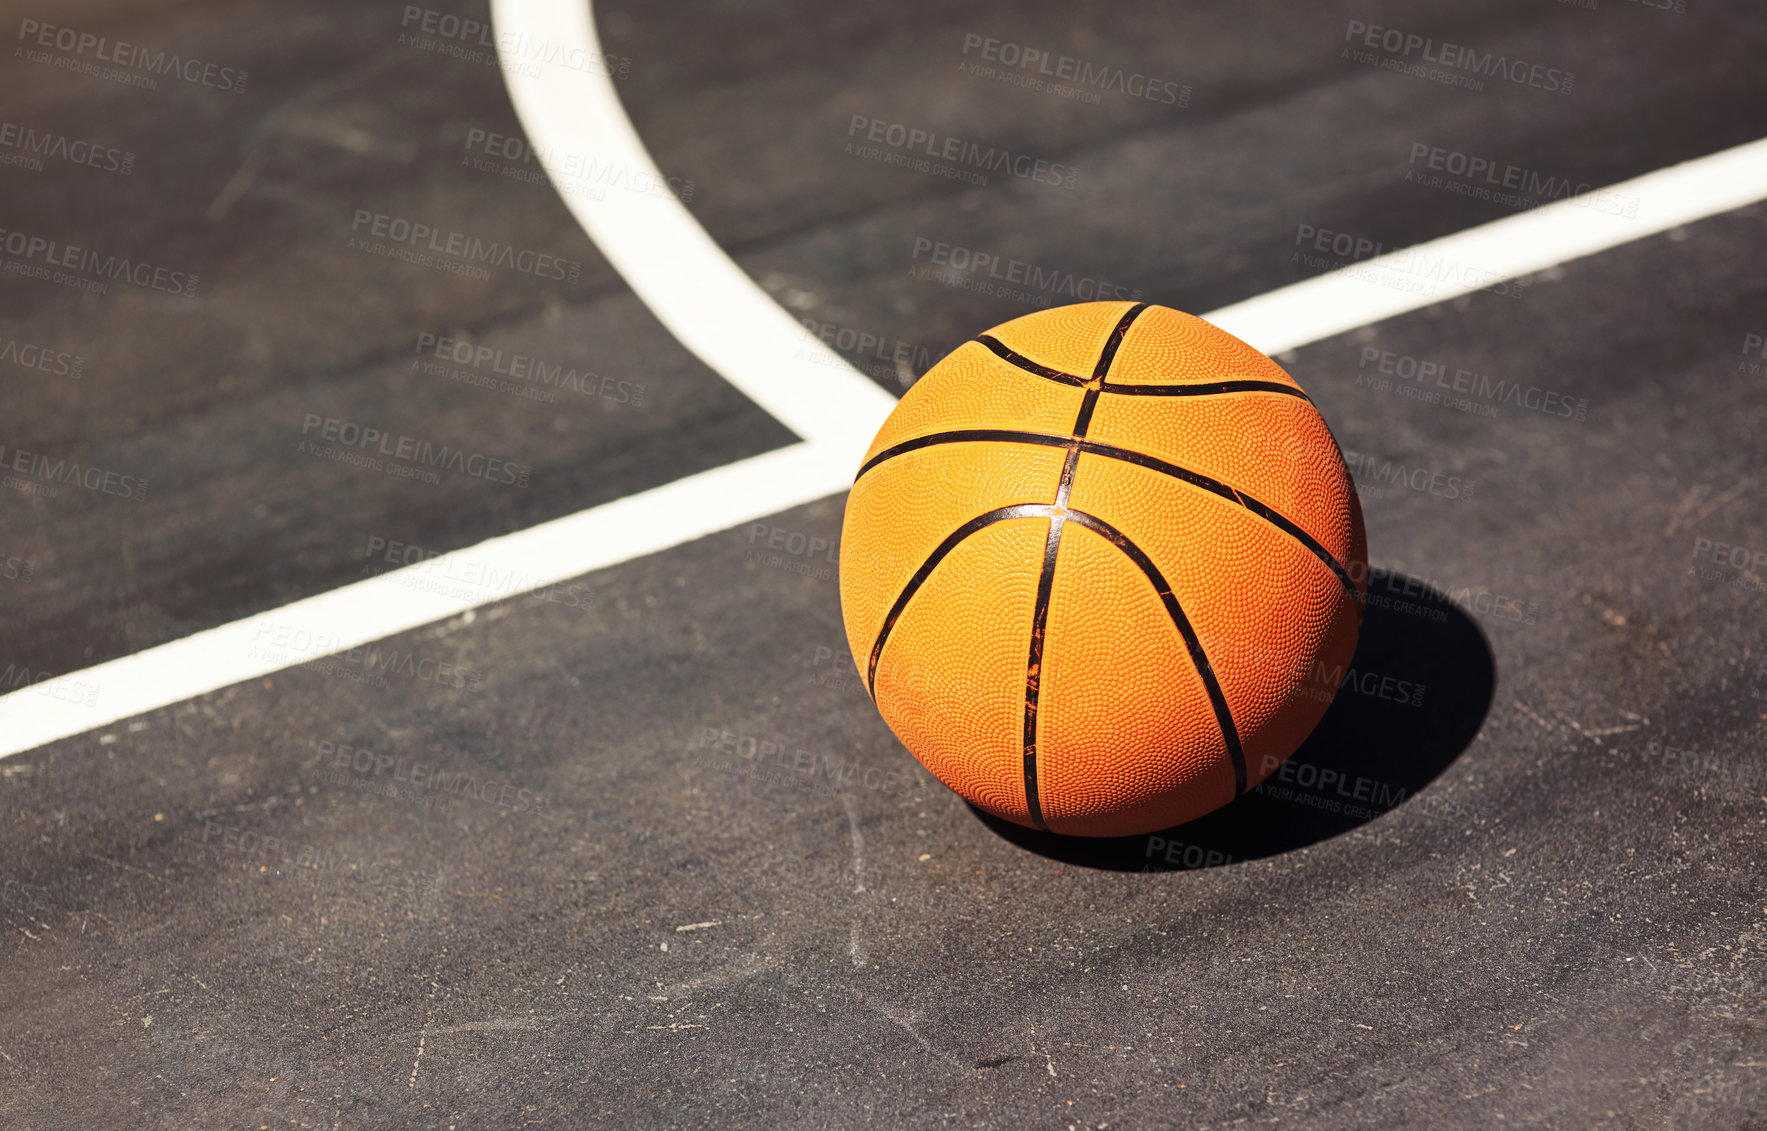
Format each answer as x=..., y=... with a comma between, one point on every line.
x=1415, y=694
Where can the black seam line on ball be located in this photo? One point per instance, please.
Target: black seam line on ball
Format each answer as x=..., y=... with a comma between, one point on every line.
x=1017, y=510
x=1152, y=464
x=1089, y=402
x=1012, y=357
x=1072, y=463
x=1112, y=343
x=1223, y=715
x=1215, y=486
x=1052, y=547
x=1206, y=389
x=964, y=435
x=1083, y=421
x=1068, y=467
x=1199, y=389
x=1034, y=667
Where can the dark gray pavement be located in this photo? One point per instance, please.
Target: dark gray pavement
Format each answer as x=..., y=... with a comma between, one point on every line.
x=1514, y=879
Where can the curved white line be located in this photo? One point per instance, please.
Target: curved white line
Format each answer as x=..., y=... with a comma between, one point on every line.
x=573, y=113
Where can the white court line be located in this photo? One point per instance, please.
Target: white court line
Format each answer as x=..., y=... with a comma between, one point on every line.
x=357, y=614
x=707, y=301
x=732, y=325
x=1321, y=307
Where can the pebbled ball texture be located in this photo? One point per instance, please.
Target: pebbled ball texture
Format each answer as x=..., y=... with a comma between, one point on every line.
x=1103, y=569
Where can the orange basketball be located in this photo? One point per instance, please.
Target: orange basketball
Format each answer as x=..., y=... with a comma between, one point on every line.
x=1103, y=568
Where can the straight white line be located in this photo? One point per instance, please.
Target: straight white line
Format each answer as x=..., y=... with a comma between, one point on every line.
x=373, y=609
x=1490, y=254
x=723, y=317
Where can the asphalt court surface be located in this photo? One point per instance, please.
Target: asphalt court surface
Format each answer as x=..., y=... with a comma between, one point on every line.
x=1514, y=878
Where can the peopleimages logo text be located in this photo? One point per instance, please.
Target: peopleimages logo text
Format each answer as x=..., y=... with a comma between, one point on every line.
x=53, y=253
x=65, y=470
x=918, y=143
x=1459, y=57
x=1077, y=71
x=349, y=434
x=74, y=42
x=416, y=234
x=967, y=261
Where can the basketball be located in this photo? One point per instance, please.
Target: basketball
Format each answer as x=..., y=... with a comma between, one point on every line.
x=1102, y=569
